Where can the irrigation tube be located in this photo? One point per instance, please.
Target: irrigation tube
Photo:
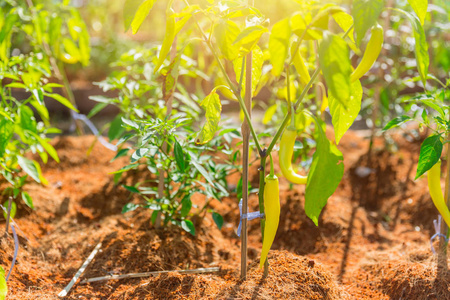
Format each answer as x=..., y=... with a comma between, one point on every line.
x=94, y=130
x=16, y=250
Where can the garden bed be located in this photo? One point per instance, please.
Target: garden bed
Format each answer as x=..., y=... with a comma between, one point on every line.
x=372, y=241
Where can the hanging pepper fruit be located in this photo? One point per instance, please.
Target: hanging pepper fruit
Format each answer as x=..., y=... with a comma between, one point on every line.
x=371, y=53
x=272, y=212
x=285, y=156
x=434, y=187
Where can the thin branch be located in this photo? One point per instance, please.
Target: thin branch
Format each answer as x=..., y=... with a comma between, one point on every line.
x=148, y=274
x=67, y=289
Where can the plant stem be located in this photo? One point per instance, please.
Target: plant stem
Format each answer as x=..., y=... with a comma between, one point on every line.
x=262, y=176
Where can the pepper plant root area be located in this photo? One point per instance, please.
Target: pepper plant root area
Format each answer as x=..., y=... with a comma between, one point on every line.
x=373, y=239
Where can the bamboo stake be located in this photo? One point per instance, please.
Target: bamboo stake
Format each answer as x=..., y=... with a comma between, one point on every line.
x=246, y=148
x=148, y=274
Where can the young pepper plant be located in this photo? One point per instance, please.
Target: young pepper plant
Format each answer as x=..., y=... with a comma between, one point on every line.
x=26, y=64
x=164, y=144
x=232, y=29
x=433, y=112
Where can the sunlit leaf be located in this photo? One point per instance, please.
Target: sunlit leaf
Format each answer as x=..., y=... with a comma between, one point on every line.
x=430, y=152
x=365, y=14
x=336, y=67
x=213, y=108
x=324, y=176
x=396, y=122
x=226, y=33
x=257, y=64
x=29, y=167
x=279, y=45
x=420, y=8
x=420, y=47
x=344, y=113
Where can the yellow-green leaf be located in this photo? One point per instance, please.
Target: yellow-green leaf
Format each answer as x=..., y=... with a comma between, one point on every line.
x=420, y=8
x=213, y=108
x=257, y=63
x=343, y=114
x=336, y=67
x=141, y=13
x=226, y=33
x=279, y=45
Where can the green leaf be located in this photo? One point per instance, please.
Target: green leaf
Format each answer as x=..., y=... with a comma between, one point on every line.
x=6, y=133
x=270, y=112
x=61, y=100
x=129, y=207
x=186, y=205
x=27, y=120
x=344, y=113
x=3, y=286
x=7, y=26
x=420, y=47
x=29, y=167
x=365, y=14
x=188, y=226
x=179, y=156
x=49, y=148
x=257, y=64
x=249, y=37
x=129, y=11
x=345, y=21
x=142, y=12
x=132, y=189
x=324, y=176
x=430, y=152
x=169, y=37
x=336, y=66
x=397, y=122
x=116, y=129
x=226, y=33
x=218, y=219
x=27, y=199
x=138, y=154
x=420, y=8
x=120, y=153
x=13, y=211
x=96, y=109
x=279, y=45
x=213, y=108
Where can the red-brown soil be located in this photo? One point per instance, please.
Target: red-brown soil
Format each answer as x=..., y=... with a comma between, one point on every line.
x=372, y=241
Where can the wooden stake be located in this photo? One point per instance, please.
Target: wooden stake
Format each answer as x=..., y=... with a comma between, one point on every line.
x=246, y=147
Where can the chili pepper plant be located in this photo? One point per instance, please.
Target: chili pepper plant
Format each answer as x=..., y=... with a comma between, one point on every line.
x=432, y=111
x=164, y=142
x=306, y=47
x=30, y=64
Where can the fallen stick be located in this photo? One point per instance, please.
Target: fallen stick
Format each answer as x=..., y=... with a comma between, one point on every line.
x=148, y=274
x=66, y=290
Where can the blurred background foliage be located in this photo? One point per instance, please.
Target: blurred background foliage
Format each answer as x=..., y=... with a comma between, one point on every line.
x=393, y=76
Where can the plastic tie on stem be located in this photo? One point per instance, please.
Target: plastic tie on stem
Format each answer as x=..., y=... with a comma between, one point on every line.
x=437, y=227
x=101, y=139
x=248, y=216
